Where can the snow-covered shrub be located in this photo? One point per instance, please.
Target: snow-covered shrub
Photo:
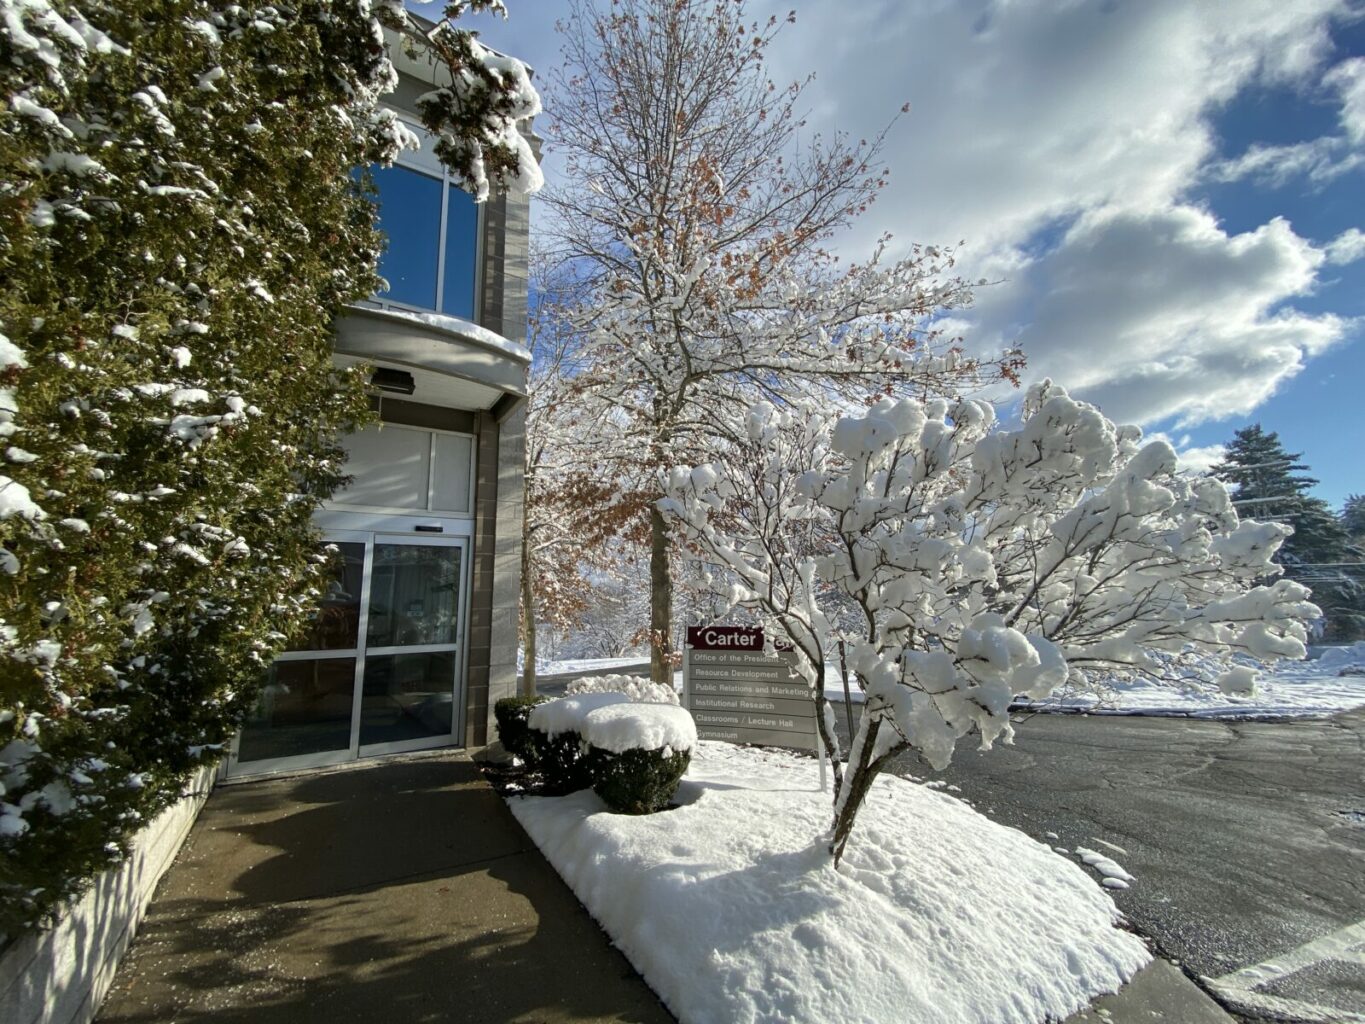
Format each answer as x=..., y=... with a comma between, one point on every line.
x=637, y=688
x=178, y=231
x=557, y=739
x=637, y=754
x=513, y=716
x=985, y=563
x=631, y=753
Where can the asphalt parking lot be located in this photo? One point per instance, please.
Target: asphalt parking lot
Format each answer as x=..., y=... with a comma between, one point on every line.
x=1247, y=840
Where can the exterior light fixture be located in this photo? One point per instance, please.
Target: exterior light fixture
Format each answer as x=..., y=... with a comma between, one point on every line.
x=398, y=381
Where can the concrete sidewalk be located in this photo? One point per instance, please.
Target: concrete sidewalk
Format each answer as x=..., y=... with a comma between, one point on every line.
x=404, y=892
x=396, y=892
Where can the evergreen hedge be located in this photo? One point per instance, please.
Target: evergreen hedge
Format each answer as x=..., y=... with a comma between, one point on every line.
x=179, y=228
x=636, y=781
x=513, y=717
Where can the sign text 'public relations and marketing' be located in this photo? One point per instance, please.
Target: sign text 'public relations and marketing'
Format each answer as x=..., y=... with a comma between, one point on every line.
x=737, y=693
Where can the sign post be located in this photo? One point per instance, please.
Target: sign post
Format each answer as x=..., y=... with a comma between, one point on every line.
x=739, y=694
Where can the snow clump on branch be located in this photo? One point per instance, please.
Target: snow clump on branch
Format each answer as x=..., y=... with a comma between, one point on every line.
x=980, y=563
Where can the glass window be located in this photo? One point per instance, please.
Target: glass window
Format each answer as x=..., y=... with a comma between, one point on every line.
x=408, y=697
x=450, y=470
x=410, y=215
x=304, y=708
x=461, y=247
x=399, y=467
x=337, y=624
x=414, y=595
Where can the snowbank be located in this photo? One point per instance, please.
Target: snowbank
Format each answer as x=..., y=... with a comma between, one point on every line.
x=623, y=727
x=1323, y=686
x=730, y=908
x=568, y=666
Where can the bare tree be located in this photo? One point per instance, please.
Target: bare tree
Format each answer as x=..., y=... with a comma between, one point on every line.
x=699, y=217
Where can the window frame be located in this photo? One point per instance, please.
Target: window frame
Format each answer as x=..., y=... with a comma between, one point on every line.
x=424, y=162
x=431, y=433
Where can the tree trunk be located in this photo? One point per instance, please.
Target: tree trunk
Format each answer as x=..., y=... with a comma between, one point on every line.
x=528, y=624
x=859, y=779
x=660, y=601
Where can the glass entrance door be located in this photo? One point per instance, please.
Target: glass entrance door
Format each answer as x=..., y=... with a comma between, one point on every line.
x=379, y=668
x=411, y=644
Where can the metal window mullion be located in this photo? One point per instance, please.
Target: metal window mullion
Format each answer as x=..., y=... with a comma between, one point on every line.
x=431, y=468
x=441, y=245
x=318, y=655
x=480, y=216
x=362, y=629
x=386, y=652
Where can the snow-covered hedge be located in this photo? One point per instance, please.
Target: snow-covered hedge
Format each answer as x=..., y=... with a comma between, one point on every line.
x=513, y=716
x=179, y=228
x=637, y=688
x=557, y=739
x=621, y=727
x=632, y=753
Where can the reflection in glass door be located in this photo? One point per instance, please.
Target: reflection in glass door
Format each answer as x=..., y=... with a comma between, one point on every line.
x=305, y=707
x=411, y=639
x=377, y=671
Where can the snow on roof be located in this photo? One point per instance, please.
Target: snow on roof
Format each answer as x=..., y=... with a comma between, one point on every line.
x=467, y=329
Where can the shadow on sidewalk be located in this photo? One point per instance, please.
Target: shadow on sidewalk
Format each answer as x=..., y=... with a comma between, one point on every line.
x=401, y=892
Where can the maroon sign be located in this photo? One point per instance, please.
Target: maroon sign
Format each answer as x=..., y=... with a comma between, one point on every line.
x=725, y=638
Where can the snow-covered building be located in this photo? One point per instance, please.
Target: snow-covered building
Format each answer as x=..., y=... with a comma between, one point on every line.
x=417, y=637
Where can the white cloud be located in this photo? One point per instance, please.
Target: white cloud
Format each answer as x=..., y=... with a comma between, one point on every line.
x=1348, y=78
x=1161, y=313
x=1347, y=247
x=1060, y=141
x=1023, y=112
x=1320, y=160
x=1192, y=459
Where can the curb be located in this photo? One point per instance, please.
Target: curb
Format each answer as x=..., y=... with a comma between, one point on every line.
x=1160, y=993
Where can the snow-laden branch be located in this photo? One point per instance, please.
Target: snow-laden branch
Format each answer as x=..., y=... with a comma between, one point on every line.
x=986, y=563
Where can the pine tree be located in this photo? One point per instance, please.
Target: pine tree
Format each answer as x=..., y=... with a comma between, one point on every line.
x=1272, y=483
x=1353, y=518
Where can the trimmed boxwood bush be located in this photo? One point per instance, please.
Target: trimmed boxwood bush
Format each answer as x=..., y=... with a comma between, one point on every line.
x=512, y=714
x=556, y=729
x=632, y=753
x=561, y=762
x=636, y=781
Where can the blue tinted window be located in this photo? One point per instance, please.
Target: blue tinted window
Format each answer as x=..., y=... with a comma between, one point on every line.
x=410, y=215
x=462, y=246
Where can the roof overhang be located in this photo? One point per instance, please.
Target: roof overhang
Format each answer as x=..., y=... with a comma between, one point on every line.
x=454, y=362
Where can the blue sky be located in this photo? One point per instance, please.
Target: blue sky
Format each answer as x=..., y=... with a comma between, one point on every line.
x=1166, y=192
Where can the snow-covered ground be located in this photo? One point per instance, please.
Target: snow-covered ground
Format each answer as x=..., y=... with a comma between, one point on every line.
x=1326, y=685
x=555, y=668
x=730, y=908
x=1331, y=683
